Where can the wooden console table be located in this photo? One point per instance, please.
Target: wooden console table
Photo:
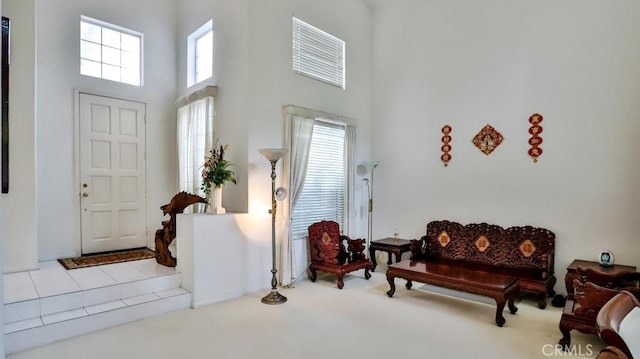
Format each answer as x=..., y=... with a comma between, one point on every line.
x=395, y=246
x=613, y=270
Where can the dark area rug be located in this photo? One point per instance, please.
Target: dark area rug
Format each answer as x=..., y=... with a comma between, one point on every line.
x=107, y=258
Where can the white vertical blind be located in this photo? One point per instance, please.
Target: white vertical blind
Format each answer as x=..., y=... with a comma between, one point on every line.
x=323, y=193
x=318, y=54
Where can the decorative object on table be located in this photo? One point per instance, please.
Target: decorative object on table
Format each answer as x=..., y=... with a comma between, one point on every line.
x=535, y=141
x=606, y=258
x=215, y=174
x=488, y=139
x=363, y=169
x=446, y=147
x=167, y=234
x=273, y=155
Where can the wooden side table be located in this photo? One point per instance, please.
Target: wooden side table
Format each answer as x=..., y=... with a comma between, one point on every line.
x=396, y=246
x=572, y=274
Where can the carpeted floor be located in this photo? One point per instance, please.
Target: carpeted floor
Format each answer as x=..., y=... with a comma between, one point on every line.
x=320, y=321
x=107, y=258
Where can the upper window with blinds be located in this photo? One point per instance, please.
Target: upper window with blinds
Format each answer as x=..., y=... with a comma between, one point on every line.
x=318, y=54
x=110, y=52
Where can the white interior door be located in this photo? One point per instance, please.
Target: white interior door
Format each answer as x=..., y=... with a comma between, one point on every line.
x=112, y=173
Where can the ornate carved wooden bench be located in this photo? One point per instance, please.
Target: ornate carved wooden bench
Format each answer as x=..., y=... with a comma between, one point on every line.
x=525, y=253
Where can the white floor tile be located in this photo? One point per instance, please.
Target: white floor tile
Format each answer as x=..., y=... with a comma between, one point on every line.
x=171, y=292
x=92, y=277
x=18, y=287
x=152, y=268
x=61, y=303
x=59, y=317
x=22, y=325
x=140, y=299
x=27, y=309
x=123, y=272
x=52, y=281
x=104, y=307
x=101, y=295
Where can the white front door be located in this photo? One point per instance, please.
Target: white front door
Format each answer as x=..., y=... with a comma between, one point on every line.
x=112, y=174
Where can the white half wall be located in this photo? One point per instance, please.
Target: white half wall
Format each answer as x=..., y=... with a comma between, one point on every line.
x=468, y=64
x=223, y=256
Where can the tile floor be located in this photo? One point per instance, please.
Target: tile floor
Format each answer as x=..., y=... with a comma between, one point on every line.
x=52, y=294
x=53, y=303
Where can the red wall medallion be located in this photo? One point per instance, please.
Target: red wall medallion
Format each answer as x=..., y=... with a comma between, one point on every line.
x=446, y=147
x=488, y=139
x=535, y=141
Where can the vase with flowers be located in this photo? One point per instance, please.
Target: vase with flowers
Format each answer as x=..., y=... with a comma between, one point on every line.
x=215, y=174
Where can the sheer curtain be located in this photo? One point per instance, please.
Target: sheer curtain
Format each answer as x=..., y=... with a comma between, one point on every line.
x=298, y=131
x=195, y=139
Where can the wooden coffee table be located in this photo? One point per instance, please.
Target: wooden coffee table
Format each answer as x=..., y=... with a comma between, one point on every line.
x=395, y=246
x=500, y=287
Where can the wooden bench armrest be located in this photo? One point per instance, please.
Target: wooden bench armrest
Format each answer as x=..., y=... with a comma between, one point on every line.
x=610, y=317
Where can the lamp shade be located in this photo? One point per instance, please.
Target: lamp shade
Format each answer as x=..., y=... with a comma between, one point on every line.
x=273, y=154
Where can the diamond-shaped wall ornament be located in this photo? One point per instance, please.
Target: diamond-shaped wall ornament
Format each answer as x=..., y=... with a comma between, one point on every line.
x=444, y=239
x=487, y=139
x=482, y=243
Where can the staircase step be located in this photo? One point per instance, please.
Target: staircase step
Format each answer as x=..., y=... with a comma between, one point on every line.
x=38, y=313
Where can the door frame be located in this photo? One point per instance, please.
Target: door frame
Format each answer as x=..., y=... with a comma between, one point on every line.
x=77, y=180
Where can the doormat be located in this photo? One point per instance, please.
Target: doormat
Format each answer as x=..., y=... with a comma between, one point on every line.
x=107, y=258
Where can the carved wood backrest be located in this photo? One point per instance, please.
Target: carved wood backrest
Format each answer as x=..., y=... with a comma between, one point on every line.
x=526, y=248
x=325, y=243
x=590, y=297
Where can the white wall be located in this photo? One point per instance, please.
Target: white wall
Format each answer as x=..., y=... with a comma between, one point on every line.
x=19, y=205
x=57, y=69
x=230, y=27
x=496, y=62
x=273, y=84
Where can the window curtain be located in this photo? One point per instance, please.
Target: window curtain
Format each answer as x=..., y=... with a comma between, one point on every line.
x=195, y=131
x=298, y=131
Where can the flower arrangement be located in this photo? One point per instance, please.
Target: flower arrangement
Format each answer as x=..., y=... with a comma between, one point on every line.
x=216, y=170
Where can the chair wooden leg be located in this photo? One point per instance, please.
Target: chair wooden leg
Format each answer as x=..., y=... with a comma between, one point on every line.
x=313, y=273
x=340, y=281
x=367, y=275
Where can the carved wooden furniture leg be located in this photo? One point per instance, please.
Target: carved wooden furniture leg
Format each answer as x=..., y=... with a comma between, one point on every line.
x=314, y=274
x=340, y=280
x=392, y=284
x=499, y=308
x=542, y=300
x=372, y=256
x=512, y=306
x=367, y=275
x=409, y=284
x=565, y=341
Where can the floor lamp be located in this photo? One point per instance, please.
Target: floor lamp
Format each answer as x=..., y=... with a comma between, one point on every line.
x=273, y=155
x=366, y=166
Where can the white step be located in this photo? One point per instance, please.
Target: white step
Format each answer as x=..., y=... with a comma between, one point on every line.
x=36, y=312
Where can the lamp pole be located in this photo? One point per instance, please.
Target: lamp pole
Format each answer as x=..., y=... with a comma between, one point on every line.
x=273, y=155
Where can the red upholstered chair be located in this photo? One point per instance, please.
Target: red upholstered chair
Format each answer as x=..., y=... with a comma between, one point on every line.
x=334, y=253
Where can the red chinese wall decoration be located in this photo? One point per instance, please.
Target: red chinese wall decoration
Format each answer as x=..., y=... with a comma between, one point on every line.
x=446, y=147
x=488, y=139
x=535, y=141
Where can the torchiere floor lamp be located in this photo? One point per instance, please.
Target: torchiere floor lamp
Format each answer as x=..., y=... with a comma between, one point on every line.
x=273, y=155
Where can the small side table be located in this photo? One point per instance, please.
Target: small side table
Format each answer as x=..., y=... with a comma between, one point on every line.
x=572, y=273
x=396, y=246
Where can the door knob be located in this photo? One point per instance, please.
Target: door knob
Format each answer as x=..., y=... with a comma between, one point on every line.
x=85, y=194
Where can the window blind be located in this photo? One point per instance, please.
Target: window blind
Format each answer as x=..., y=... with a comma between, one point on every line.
x=318, y=54
x=323, y=193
